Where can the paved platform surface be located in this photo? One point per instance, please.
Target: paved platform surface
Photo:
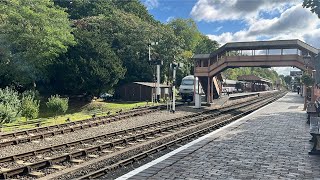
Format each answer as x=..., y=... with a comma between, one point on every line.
x=272, y=143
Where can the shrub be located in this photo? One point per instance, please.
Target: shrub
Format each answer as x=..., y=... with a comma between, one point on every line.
x=95, y=107
x=10, y=105
x=33, y=93
x=57, y=105
x=29, y=106
x=307, y=80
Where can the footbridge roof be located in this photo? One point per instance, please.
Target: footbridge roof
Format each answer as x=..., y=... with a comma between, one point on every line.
x=258, y=45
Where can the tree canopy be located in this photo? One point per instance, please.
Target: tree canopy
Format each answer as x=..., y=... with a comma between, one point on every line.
x=32, y=33
x=262, y=72
x=88, y=47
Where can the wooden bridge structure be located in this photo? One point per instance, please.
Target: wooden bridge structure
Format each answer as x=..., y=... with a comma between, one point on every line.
x=277, y=53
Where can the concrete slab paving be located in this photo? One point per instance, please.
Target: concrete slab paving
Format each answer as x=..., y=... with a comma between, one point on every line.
x=272, y=143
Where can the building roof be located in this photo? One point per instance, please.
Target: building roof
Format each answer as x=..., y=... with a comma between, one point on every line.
x=253, y=78
x=229, y=81
x=201, y=56
x=151, y=84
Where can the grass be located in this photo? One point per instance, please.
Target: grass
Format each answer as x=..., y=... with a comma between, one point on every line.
x=77, y=111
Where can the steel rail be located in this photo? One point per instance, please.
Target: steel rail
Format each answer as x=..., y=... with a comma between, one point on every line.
x=67, y=124
x=108, y=135
x=45, y=163
x=70, y=129
x=136, y=158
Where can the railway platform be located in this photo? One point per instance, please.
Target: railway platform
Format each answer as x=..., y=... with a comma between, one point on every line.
x=271, y=143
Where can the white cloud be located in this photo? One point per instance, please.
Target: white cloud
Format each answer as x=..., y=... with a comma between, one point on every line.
x=284, y=70
x=170, y=19
x=219, y=10
x=294, y=23
x=151, y=4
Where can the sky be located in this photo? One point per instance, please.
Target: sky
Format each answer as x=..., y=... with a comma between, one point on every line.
x=243, y=20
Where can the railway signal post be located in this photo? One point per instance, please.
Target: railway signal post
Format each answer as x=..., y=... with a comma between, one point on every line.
x=155, y=61
x=174, y=66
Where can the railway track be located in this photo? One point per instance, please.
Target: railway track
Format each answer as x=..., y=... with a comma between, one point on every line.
x=102, y=172
x=49, y=131
x=30, y=162
x=114, y=117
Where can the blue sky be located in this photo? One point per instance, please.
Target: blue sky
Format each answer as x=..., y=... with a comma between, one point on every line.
x=243, y=20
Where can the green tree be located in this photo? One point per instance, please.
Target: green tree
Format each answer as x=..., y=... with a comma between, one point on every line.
x=288, y=79
x=307, y=80
x=261, y=72
x=32, y=33
x=187, y=30
x=314, y=5
x=206, y=46
x=79, y=9
x=57, y=105
x=29, y=106
x=10, y=105
x=89, y=67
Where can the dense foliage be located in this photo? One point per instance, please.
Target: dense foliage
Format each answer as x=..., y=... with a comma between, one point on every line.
x=10, y=105
x=85, y=47
x=261, y=72
x=307, y=80
x=32, y=34
x=29, y=106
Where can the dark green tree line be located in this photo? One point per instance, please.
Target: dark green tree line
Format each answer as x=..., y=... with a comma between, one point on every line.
x=88, y=47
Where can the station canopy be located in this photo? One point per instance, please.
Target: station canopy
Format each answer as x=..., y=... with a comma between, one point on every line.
x=254, y=79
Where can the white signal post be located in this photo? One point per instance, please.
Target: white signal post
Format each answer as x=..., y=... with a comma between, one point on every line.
x=158, y=82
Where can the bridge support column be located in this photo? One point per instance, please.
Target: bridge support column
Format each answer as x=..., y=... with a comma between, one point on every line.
x=209, y=90
x=212, y=86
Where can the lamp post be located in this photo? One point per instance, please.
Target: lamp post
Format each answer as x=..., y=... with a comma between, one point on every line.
x=313, y=97
x=306, y=60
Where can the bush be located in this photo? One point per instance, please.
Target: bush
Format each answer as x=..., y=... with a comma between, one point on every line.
x=57, y=105
x=307, y=80
x=95, y=107
x=33, y=93
x=10, y=105
x=29, y=106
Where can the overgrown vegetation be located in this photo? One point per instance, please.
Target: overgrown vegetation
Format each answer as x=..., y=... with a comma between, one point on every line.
x=57, y=105
x=307, y=80
x=106, y=48
x=84, y=47
x=29, y=106
x=10, y=105
x=262, y=72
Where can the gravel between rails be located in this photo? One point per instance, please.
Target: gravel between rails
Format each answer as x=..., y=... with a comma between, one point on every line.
x=96, y=131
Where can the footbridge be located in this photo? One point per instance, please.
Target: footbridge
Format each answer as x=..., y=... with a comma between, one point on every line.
x=278, y=53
